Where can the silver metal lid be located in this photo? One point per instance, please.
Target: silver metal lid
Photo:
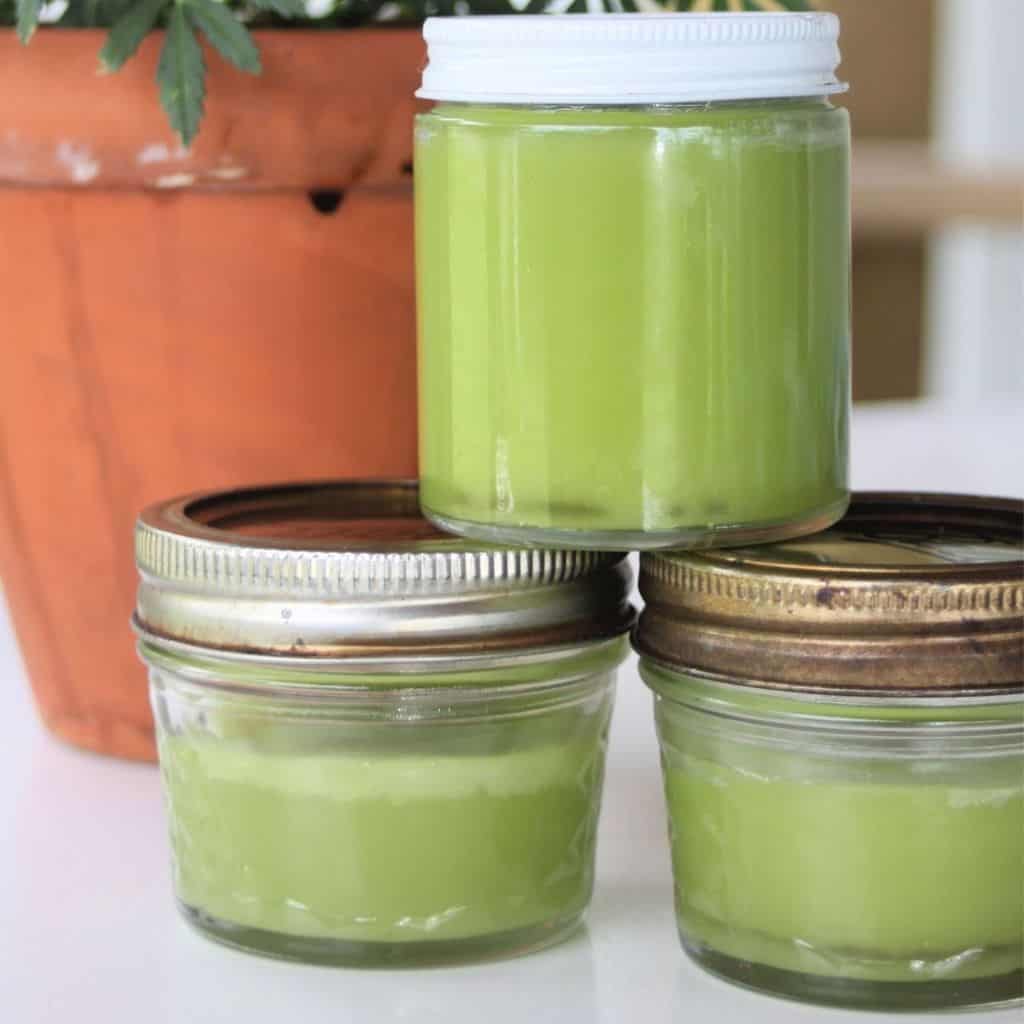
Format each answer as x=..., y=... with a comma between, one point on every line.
x=350, y=569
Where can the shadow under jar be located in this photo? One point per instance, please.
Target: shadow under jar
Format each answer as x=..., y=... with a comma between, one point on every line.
x=379, y=745
x=841, y=723
x=632, y=240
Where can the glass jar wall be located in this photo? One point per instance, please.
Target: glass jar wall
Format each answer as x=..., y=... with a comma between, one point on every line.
x=400, y=818
x=854, y=851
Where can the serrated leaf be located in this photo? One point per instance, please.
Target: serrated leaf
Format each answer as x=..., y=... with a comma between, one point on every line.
x=181, y=75
x=228, y=36
x=128, y=32
x=28, y=18
x=284, y=8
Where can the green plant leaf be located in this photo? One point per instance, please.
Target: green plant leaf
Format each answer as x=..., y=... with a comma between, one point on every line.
x=181, y=75
x=129, y=30
x=28, y=18
x=80, y=14
x=283, y=8
x=226, y=33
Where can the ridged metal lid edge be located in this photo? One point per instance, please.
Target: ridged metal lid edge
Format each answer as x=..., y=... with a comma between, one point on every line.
x=229, y=566
x=769, y=594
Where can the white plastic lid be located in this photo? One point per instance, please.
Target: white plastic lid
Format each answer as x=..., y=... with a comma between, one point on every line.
x=618, y=59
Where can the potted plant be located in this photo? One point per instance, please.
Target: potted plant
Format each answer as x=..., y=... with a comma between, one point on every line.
x=208, y=277
x=187, y=309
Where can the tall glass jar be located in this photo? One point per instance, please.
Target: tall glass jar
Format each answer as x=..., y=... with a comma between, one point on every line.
x=378, y=744
x=841, y=723
x=632, y=265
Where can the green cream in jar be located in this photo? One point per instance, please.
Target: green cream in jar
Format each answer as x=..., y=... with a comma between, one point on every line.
x=379, y=745
x=841, y=722
x=633, y=287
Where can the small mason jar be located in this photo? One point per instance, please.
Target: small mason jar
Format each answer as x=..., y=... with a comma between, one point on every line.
x=632, y=237
x=378, y=744
x=841, y=723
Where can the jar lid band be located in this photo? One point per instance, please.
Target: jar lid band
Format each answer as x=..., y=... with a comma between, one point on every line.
x=630, y=59
x=907, y=592
x=350, y=568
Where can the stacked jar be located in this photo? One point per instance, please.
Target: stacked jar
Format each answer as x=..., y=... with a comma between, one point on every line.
x=379, y=744
x=632, y=244
x=382, y=736
x=842, y=737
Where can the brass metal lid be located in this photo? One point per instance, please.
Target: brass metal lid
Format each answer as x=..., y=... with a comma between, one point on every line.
x=350, y=569
x=911, y=592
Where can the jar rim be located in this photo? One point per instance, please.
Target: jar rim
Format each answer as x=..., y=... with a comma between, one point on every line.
x=490, y=672
x=873, y=699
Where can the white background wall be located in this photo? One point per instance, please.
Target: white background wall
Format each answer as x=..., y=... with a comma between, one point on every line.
x=974, y=315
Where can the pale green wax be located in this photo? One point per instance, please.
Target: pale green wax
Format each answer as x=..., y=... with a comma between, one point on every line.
x=880, y=881
x=819, y=861
x=387, y=840
x=633, y=319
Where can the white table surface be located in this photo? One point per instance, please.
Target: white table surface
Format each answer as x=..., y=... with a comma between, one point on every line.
x=88, y=932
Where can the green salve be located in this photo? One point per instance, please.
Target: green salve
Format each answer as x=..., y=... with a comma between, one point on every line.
x=800, y=849
x=634, y=322
x=386, y=833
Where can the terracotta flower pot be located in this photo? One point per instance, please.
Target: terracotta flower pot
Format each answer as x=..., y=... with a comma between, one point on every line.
x=176, y=321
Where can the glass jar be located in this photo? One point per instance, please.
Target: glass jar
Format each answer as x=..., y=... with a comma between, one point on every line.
x=632, y=241
x=378, y=744
x=841, y=724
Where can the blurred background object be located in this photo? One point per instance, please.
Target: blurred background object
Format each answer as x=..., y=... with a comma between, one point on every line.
x=938, y=180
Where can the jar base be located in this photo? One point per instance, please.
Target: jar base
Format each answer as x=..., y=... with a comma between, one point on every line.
x=692, y=537
x=349, y=953
x=856, y=993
